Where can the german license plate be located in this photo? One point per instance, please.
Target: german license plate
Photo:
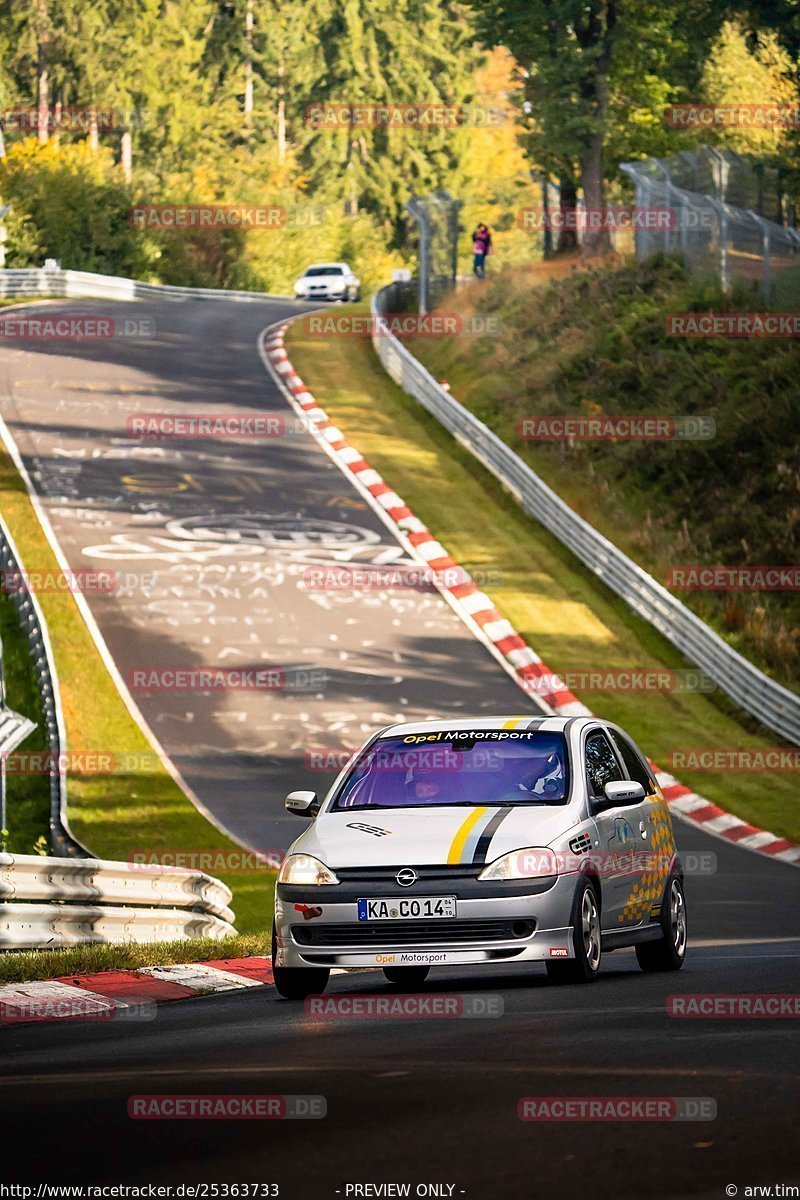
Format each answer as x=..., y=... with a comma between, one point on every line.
x=423, y=908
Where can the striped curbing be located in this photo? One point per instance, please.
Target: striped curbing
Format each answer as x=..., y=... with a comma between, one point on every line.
x=127, y=995
x=479, y=613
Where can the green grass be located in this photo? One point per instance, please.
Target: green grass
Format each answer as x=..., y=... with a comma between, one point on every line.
x=115, y=815
x=595, y=343
x=27, y=796
x=18, y=967
x=568, y=617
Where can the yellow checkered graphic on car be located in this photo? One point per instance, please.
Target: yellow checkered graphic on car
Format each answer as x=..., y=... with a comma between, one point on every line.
x=647, y=894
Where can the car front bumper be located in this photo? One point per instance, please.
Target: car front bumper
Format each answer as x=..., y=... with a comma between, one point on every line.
x=322, y=293
x=501, y=924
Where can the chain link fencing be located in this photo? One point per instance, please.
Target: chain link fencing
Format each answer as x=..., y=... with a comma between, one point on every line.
x=713, y=205
x=437, y=217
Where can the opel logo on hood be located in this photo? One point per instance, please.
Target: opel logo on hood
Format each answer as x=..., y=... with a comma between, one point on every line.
x=406, y=877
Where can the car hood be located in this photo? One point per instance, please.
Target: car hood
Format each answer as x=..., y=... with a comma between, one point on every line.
x=431, y=836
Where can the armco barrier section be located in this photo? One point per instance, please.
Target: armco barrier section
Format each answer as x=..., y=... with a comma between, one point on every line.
x=773, y=705
x=85, y=285
x=33, y=622
x=76, y=901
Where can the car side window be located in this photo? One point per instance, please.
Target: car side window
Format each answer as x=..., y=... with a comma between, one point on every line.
x=633, y=763
x=601, y=763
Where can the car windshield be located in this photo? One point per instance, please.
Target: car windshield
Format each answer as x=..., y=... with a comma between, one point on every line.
x=476, y=767
x=324, y=271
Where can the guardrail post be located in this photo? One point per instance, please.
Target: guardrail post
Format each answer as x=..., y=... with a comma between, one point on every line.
x=766, y=266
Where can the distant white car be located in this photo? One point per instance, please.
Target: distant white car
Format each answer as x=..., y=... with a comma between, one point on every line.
x=328, y=281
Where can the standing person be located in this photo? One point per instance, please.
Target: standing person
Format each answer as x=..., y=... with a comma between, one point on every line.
x=481, y=246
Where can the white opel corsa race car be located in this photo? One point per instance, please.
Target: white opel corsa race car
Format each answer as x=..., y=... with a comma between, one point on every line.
x=486, y=841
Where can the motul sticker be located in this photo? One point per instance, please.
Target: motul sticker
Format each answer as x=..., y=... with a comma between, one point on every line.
x=559, y=952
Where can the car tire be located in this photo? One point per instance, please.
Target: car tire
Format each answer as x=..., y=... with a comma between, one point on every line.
x=295, y=983
x=406, y=978
x=668, y=952
x=586, y=939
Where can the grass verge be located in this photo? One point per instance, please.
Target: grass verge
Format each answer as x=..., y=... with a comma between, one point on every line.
x=24, y=965
x=570, y=619
x=27, y=796
x=116, y=815
x=597, y=342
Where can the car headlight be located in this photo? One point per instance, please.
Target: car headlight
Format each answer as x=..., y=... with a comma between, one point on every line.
x=302, y=868
x=522, y=864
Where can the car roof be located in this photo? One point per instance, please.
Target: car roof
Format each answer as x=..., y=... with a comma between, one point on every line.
x=528, y=721
x=313, y=266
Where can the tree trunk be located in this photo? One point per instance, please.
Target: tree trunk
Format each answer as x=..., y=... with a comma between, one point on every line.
x=43, y=72
x=595, y=241
x=43, y=100
x=248, y=70
x=567, y=202
x=281, y=109
x=57, y=122
x=597, y=37
x=126, y=155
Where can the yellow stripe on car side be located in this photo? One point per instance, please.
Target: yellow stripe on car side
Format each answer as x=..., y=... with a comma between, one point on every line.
x=514, y=722
x=459, y=841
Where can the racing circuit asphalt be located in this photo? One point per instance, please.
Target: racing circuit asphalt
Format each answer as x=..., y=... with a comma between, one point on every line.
x=229, y=528
x=408, y=1101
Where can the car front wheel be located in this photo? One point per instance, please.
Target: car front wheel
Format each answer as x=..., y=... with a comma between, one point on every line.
x=583, y=968
x=295, y=983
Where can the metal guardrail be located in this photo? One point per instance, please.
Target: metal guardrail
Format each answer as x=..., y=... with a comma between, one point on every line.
x=76, y=285
x=773, y=705
x=33, y=623
x=95, y=901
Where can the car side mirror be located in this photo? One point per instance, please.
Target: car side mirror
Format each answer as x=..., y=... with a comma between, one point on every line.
x=302, y=804
x=619, y=793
